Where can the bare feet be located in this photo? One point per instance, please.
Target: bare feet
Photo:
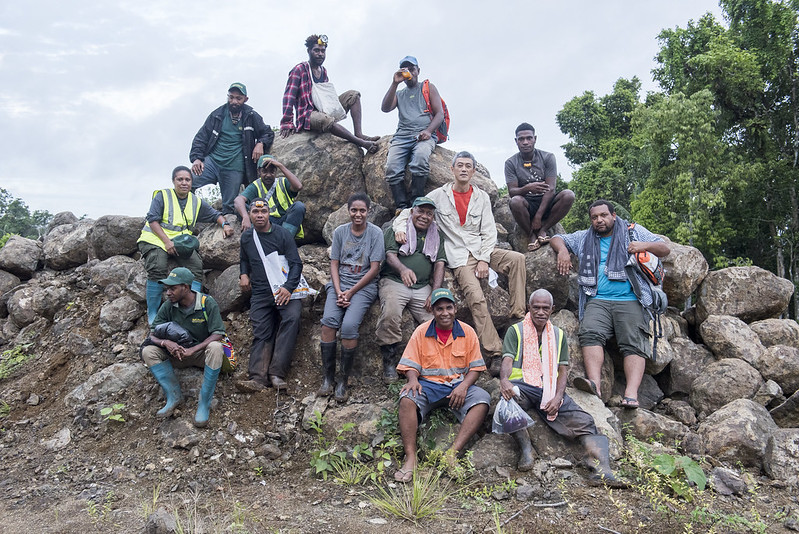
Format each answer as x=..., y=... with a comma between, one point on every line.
x=369, y=137
x=370, y=146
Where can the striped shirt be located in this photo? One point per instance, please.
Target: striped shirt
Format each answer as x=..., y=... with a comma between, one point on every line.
x=298, y=95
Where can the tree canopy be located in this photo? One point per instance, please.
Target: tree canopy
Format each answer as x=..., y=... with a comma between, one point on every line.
x=16, y=217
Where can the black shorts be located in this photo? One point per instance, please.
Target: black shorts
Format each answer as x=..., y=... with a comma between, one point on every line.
x=533, y=204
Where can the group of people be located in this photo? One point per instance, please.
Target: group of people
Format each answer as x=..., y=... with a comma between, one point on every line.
x=403, y=267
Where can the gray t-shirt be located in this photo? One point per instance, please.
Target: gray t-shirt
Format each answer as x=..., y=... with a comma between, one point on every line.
x=523, y=172
x=355, y=253
x=411, y=106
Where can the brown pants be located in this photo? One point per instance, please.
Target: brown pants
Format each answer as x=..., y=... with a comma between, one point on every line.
x=212, y=357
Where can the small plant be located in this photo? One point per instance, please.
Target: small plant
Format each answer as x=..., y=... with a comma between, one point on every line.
x=326, y=454
x=113, y=413
x=424, y=498
x=148, y=507
x=259, y=471
x=5, y=409
x=678, y=470
x=100, y=513
x=12, y=359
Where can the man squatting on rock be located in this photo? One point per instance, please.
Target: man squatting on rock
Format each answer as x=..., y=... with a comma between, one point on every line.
x=442, y=361
x=409, y=275
x=227, y=146
x=536, y=359
x=199, y=315
x=608, y=306
x=464, y=217
x=273, y=344
x=414, y=140
x=297, y=95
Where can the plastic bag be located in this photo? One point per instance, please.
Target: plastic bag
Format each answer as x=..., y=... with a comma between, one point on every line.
x=277, y=272
x=326, y=100
x=509, y=417
x=174, y=332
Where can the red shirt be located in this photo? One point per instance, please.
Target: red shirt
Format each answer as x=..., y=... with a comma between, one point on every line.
x=462, y=203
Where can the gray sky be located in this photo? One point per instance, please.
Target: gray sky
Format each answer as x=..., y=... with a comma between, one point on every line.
x=100, y=100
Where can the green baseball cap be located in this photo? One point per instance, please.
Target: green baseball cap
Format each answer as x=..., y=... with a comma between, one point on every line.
x=424, y=201
x=441, y=293
x=179, y=275
x=240, y=86
x=264, y=160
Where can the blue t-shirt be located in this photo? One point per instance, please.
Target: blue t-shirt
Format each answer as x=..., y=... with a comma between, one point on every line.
x=611, y=289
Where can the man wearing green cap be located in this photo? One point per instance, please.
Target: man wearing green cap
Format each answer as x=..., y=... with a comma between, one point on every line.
x=228, y=145
x=200, y=346
x=280, y=194
x=410, y=274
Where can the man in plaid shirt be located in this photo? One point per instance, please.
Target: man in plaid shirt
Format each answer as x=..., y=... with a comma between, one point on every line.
x=298, y=96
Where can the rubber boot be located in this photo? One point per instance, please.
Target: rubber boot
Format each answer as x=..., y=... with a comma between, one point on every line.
x=418, y=181
x=400, y=196
x=389, y=353
x=526, y=459
x=597, y=449
x=206, y=396
x=328, y=368
x=154, y=294
x=347, y=357
x=197, y=286
x=165, y=375
x=291, y=228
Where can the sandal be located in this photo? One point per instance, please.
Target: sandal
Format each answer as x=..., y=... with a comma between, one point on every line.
x=585, y=384
x=535, y=245
x=629, y=403
x=401, y=475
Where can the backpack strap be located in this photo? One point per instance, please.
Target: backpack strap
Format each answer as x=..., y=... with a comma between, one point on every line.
x=426, y=95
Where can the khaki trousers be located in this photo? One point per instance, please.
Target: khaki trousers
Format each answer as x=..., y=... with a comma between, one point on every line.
x=211, y=357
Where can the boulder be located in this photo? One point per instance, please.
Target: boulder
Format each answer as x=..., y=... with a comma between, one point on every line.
x=644, y=424
x=689, y=361
x=738, y=432
x=330, y=171
x=649, y=393
x=8, y=282
x=777, y=332
x=680, y=411
x=781, y=459
x=542, y=272
x=722, y=382
x=105, y=383
x=749, y=293
x=495, y=450
x=67, y=245
x=729, y=337
x=685, y=267
x=786, y=415
x=769, y=395
x=218, y=251
x=21, y=256
x=378, y=215
x=663, y=351
x=32, y=302
x=605, y=420
x=61, y=218
x=780, y=363
x=114, y=235
x=120, y=315
x=226, y=291
x=121, y=271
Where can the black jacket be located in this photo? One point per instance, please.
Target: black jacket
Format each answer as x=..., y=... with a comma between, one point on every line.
x=255, y=130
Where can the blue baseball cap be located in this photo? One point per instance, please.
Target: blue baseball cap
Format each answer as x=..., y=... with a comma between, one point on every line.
x=409, y=59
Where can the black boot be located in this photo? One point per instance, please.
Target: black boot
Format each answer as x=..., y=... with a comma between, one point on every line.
x=597, y=449
x=347, y=357
x=526, y=459
x=418, y=181
x=328, y=368
x=390, y=360
x=400, y=196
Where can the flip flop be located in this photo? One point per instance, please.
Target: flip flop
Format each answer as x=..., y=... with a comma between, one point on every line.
x=544, y=239
x=401, y=475
x=585, y=384
x=535, y=245
x=629, y=403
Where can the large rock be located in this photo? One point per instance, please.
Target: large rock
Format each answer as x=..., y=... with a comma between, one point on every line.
x=226, y=291
x=330, y=171
x=121, y=272
x=685, y=267
x=8, y=282
x=115, y=235
x=738, y=432
x=644, y=424
x=689, y=362
x=218, y=251
x=729, y=337
x=781, y=460
x=32, y=302
x=67, y=245
x=749, y=293
x=780, y=363
x=106, y=382
x=722, y=382
x=777, y=332
x=378, y=215
x=542, y=272
x=120, y=315
x=21, y=256
x=786, y=415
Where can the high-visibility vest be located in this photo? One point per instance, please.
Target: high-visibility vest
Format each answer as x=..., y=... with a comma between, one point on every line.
x=174, y=221
x=516, y=374
x=280, y=201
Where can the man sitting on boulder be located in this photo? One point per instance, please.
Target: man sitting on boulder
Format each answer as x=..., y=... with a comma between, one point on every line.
x=279, y=193
x=531, y=175
x=536, y=360
x=442, y=362
x=465, y=219
x=410, y=274
x=297, y=95
x=200, y=327
x=415, y=139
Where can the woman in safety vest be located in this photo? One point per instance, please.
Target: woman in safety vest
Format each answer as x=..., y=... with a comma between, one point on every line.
x=173, y=213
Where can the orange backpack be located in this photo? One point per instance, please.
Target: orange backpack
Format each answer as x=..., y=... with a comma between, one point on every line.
x=442, y=132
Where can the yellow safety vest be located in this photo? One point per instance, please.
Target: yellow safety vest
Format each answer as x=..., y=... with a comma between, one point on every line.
x=516, y=374
x=280, y=201
x=174, y=221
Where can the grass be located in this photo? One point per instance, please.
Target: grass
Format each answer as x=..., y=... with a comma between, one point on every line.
x=12, y=359
x=424, y=498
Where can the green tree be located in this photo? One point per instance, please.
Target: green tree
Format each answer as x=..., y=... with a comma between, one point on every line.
x=16, y=218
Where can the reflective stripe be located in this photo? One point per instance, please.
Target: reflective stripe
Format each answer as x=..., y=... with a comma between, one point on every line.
x=454, y=371
x=169, y=218
x=249, y=128
x=279, y=201
x=516, y=373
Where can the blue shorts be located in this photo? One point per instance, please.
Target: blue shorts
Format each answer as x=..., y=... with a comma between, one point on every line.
x=434, y=395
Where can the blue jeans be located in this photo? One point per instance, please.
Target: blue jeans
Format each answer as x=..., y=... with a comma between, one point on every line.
x=229, y=182
x=407, y=150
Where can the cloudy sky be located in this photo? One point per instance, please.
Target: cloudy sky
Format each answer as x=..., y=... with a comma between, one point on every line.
x=100, y=100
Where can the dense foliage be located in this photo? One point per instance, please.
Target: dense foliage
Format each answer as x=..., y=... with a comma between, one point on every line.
x=16, y=218
x=712, y=159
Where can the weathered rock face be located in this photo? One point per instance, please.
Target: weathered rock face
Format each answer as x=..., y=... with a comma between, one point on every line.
x=777, y=332
x=115, y=235
x=542, y=272
x=786, y=415
x=8, y=282
x=689, y=362
x=31, y=302
x=61, y=218
x=729, y=337
x=226, y=291
x=723, y=382
x=781, y=459
x=685, y=269
x=105, y=382
x=21, y=256
x=644, y=424
x=378, y=215
x=738, y=432
x=67, y=245
x=218, y=251
x=780, y=363
x=120, y=273
x=749, y=293
x=120, y=315
x=330, y=171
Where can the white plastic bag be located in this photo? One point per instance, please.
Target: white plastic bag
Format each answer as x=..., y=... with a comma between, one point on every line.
x=325, y=99
x=277, y=272
x=509, y=417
